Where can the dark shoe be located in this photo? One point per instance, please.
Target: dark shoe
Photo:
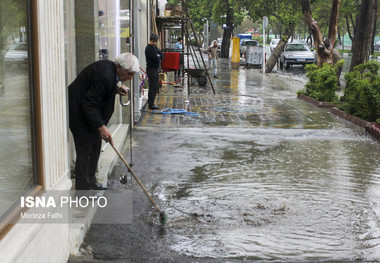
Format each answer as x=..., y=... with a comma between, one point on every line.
x=98, y=186
x=216, y=77
x=153, y=107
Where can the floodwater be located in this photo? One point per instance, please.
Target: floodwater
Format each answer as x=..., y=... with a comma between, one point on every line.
x=285, y=181
x=274, y=194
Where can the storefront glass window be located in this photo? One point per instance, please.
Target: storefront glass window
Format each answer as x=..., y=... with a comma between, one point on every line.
x=16, y=155
x=114, y=38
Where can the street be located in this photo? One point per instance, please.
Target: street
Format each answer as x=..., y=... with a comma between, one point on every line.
x=258, y=175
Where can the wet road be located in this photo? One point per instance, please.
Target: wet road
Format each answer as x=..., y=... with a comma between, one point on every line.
x=258, y=176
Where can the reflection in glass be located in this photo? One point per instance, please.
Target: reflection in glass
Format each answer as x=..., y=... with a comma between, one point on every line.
x=16, y=160
x=114, y=38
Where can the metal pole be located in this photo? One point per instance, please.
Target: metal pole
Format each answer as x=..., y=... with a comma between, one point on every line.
x=207, y=33
x=264, y=50
x=265, y=24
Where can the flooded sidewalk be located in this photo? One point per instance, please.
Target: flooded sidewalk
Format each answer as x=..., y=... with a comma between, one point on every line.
x=244, y=98
x=258, y=175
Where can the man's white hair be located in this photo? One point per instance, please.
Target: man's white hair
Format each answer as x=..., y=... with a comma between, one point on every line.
x=128, y=61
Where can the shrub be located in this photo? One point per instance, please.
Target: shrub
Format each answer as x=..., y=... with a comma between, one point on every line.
x=362, y=93
x=322, y=84
x=258, y=38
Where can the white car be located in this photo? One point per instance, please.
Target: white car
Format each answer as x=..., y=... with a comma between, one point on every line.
x=17, y=54
x=377, y=45
x=296, y=54
x=273, y=44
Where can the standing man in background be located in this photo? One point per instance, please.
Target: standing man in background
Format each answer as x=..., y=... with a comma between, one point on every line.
x=91, y=104
x=153, y=58
x=178, y=47
x=212, y=52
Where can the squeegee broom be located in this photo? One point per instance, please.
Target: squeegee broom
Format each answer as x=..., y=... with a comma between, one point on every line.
x=163, y=215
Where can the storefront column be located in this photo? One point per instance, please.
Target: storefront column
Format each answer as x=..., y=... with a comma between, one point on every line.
x=86, y=36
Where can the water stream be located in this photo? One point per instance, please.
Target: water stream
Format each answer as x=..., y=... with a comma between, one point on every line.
x=297, y=184
x=259, y=175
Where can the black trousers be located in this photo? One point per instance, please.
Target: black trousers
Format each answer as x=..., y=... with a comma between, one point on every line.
x=86, y=164
x=178, y=72
x=153, y=84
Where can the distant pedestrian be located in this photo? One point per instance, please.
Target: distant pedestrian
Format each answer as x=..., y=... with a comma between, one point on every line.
x=178, y=47
x=212, y=52
x=91, y=104
x=335, y=58
x=153, y=58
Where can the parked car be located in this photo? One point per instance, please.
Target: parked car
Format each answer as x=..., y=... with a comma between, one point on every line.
x=273, y=44
x=247, y=42
x=296, y=54
x=18, y=54
x=377, y=45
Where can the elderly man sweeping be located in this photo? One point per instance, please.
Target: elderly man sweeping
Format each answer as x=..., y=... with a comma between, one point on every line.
x=91, y=104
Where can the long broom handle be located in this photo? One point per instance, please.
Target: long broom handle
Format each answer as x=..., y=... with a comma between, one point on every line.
x=137, y=179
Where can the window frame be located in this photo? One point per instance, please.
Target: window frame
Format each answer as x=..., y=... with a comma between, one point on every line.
x=35, y=111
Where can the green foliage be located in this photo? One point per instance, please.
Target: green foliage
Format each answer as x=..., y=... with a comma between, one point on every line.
x=341, y=51
x=258, y=38
x=322, y=84
x=13, y=15
x=285, y=12
x=246, y=25
x=362, y=93
x=322, y=11
x=229, y=8
x=200, y=9
x=283, y=15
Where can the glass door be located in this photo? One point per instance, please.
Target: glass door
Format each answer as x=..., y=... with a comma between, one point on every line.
x=17, y=174
x=114, y=24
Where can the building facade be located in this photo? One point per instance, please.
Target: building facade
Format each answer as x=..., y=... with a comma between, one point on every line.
x=44, y=44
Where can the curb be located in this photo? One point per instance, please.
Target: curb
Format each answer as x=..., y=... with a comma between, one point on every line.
x=315, y=102
x=372, y=128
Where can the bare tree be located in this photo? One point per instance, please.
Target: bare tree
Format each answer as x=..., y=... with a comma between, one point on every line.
x=276, y=53
x=324, y=54
x=227, y=32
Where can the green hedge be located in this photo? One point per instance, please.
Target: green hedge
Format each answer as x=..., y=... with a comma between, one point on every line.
x=362, y=93
x=322, y=84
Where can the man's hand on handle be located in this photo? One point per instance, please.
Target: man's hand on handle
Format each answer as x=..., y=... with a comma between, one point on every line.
x=105, y=134
x=121, y=89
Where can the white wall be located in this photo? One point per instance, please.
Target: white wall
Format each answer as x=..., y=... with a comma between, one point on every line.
x=53, y=90
x=142, y=30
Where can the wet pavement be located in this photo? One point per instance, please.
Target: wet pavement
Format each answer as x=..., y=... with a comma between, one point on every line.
x=257, y=176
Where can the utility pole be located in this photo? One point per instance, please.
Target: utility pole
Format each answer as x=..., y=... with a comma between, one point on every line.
x=265, y=25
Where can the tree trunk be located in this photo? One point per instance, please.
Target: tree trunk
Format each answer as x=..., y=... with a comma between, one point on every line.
x=333, y=28
x=226, y=42
x=225, y=50
x=349, y=28
x=276, y=53
x=373, y=36
x=2, y=56
x=324, y=54
x=339, y=37
x=363, y=35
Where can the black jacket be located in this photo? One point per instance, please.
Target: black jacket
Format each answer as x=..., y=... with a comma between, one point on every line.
x=153, y=56
x=92, y=99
